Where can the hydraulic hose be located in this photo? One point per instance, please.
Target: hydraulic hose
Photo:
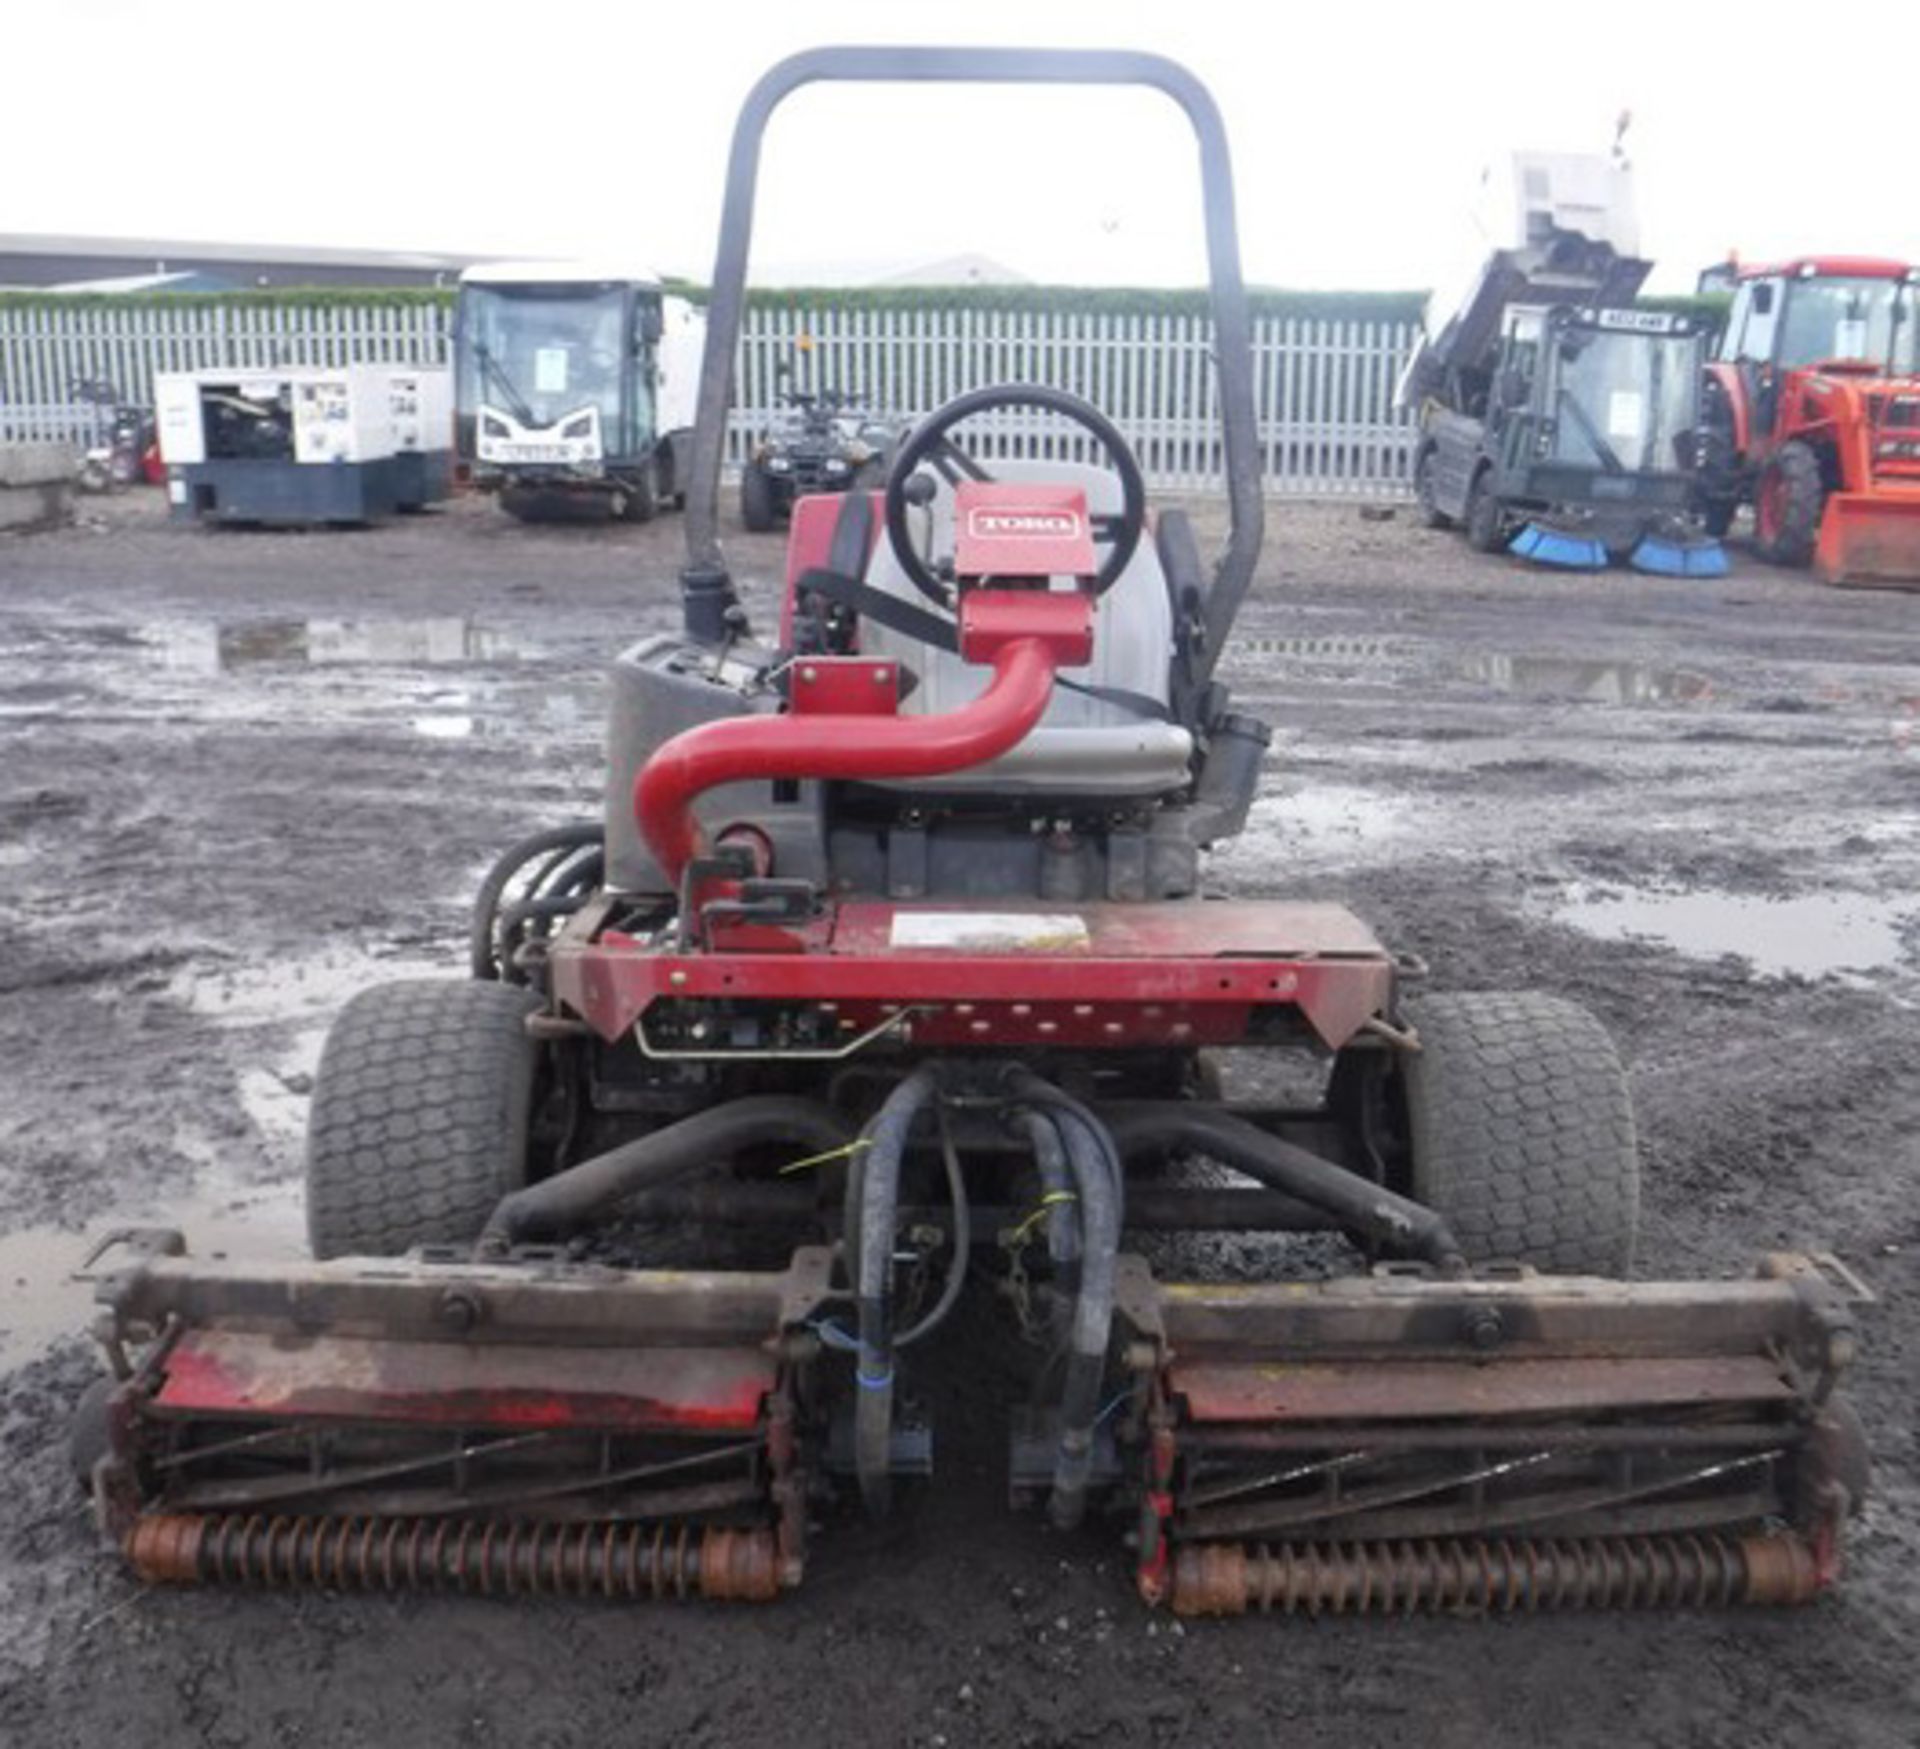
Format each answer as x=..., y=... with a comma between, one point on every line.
x=1094, y=1164
x=571, y=1198
x=1063, y=1225
x=1364, y=1208
x=878, y=1178
x=557, y=841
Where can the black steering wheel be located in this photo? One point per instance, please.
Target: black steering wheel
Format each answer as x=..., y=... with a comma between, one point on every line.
x=931, y=444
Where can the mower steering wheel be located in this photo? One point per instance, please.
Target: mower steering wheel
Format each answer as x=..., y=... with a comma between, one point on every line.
x=930, y=443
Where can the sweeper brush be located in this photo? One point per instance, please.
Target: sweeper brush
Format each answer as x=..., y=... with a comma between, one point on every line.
x=892, y=957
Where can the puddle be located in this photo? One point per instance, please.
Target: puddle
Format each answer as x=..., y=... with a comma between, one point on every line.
x=220, y=1217
x=213, y=648
x=1808, y=936
x=1595, y=682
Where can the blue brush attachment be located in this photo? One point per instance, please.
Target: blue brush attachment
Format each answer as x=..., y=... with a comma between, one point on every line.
x=1663, y=556
x=1555, y=546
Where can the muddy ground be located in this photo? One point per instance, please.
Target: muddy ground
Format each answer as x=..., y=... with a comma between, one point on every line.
x=240, y=774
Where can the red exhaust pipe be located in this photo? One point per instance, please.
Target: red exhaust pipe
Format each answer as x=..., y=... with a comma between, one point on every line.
x=1025, y=635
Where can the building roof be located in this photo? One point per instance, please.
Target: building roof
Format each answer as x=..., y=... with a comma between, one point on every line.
x=44, y=261
x=957, y=270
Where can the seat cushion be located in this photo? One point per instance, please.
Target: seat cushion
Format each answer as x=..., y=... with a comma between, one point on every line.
x=1082, y=746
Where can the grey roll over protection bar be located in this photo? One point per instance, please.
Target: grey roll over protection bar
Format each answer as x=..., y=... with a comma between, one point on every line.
x=1233, y=348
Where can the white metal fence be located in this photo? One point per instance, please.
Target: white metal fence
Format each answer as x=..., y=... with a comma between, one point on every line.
x=1323, y=388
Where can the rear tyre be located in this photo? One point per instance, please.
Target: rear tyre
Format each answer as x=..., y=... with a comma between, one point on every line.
x=757, y=510
x=1430, y=512
x=89, y=1437
x=1520, y=1131
x=420, y=1116
x=642, y=497
x=1486, y=523
x=1787, y=502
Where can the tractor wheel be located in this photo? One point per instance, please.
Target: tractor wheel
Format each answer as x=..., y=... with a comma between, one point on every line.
x=420, y=1116
x=1431, y=515
x=1787, y=503
x=1520, y=1131
x=642, y=497
x=1486, y=523
x=757, y=510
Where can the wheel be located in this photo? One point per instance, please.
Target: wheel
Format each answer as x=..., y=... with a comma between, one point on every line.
x=1717, y=514
x=89, y=1438
x=757, y=510
x=1787, y=504
x=1519, y=1130
x=420, y=1116
x=642, y=497
x=1486, y=524
x=1430, y=512
x=521, y=504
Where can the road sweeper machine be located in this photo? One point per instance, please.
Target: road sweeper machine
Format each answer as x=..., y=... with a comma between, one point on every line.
x=1557, y=420
x=895, y=943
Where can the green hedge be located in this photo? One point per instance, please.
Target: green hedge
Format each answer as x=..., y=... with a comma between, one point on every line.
x=1396, y=306
x=1404, y=306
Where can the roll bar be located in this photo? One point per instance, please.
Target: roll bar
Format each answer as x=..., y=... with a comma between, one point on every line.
x=705, y=576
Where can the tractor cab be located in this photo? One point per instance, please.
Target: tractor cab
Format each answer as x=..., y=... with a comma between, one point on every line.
x=1852, y=316
x=1812, y=410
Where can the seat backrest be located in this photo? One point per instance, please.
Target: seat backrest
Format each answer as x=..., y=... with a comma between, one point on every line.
x=1082, y=745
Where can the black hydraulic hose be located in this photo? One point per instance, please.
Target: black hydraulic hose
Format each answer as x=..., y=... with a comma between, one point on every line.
x=1362, y=1207
x=486, y=905
x=570, y=1199
x=885, y=1139
x=938, y=1313
x=1095, y=1165
x=1062, y=1221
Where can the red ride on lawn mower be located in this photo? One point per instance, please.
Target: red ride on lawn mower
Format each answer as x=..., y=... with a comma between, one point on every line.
x=896, y=937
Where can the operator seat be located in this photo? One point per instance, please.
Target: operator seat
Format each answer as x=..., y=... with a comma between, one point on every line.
x=1083, y=746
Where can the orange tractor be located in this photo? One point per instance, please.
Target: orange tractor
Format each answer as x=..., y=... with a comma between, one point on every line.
x=1812, y=409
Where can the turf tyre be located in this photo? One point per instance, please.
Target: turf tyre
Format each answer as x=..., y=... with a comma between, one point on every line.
x=420, y=1116
x=1520, y=1131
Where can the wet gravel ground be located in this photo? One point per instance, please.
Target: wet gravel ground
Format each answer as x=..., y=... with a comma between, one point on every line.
x=242, y=774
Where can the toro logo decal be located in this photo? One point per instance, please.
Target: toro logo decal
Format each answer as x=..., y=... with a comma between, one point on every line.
x=1022, y=524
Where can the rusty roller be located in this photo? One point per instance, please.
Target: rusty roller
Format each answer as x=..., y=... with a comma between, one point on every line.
x=487, y=1557
x=1510, y=1574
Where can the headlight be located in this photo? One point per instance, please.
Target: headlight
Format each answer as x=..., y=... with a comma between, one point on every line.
x=778, y=464
x=493, y=427
x=579, y=426
x=835, y=465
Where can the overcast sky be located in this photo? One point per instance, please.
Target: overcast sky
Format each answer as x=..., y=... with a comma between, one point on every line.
x=600, y=127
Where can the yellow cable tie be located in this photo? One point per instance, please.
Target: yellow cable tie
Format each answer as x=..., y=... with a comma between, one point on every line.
x=845, y=1152
x=1053, y=1199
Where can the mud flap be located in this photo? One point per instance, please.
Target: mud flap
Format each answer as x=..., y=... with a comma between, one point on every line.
x=529, y=1426
x=1399, y=1442
x=1870, y=538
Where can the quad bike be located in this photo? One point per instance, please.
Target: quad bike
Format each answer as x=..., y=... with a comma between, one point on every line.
x=895, y=939
x=825, y=441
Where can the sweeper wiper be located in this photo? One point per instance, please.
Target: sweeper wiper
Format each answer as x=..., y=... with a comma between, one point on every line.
x=894, y=937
